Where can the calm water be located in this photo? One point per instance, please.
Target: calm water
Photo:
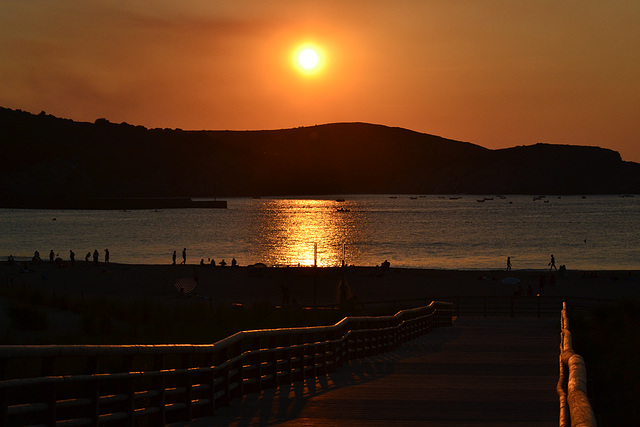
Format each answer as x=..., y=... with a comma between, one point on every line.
x=426, y=232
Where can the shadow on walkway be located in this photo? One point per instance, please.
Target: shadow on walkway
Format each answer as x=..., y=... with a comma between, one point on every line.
x=286, y=403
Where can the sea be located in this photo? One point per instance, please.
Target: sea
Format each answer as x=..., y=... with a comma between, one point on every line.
x=467, y=232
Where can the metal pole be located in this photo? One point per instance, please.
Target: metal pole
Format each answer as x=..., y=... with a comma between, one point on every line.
x=315, y=254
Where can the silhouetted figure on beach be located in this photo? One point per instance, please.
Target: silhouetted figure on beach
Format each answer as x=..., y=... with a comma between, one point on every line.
x=36, y=258
x=174, y=258
x=201, y=261
x=508, y=263
x=51, y=256
x=184, y=256
x=552, y=263
x=96, y=255
x=385, y=265
x=223, y=263
x=213, y=262
x=87, y=256
x=234, y=263
x=72, y=257
x=106, y=256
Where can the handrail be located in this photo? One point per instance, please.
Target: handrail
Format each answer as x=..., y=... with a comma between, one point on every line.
x=76, y=384
x=575, y=408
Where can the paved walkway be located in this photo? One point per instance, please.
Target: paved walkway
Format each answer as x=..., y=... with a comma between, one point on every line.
x=481, y=372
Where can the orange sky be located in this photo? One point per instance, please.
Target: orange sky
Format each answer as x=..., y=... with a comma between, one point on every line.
x=497, y=73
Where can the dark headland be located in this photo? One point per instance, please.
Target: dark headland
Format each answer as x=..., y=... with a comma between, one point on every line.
x=47, y=160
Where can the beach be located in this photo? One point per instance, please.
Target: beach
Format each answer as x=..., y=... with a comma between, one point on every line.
x=307, y=285
x=247, y=287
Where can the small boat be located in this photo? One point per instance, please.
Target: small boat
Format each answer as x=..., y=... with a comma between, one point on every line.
x=339, y=200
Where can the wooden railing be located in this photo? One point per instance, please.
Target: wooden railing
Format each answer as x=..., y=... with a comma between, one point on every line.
x=89, y=385
x=575, y=408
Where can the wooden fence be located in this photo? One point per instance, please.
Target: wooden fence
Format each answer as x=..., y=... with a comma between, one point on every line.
x=575, y=408
x=156, y=384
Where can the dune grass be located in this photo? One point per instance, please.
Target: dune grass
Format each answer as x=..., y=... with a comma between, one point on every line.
x=108, y=321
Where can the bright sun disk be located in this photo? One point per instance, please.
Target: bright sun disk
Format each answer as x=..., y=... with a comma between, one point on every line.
x=308, y=58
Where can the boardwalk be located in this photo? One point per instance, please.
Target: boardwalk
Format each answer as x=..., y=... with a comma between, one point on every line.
x=481, y=372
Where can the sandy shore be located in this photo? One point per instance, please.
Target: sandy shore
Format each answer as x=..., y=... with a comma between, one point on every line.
x=226, y=287
x=308, y=286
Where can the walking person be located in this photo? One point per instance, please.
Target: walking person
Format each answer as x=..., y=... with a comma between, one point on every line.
x=106, y=256
x=72, y=256
x=174, y=258
x=184, y=256
x=96, y=255
x=508, y=263
x=552, y=263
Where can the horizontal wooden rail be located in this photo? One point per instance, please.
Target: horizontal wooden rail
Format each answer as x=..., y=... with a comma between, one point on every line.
x=88, y=385
x=575, y=408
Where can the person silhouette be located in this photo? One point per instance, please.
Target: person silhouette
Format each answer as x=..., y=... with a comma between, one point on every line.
x=184, y=256
x=72, y=257
x=96, y=255
x=552, y=263
x=508, y=263
x=174, y=258
x=106, y=256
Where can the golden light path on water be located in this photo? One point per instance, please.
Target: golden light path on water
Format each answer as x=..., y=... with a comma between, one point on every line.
x=290, y=232
x=594, y=232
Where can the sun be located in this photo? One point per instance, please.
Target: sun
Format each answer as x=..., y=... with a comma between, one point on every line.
x=308, y=58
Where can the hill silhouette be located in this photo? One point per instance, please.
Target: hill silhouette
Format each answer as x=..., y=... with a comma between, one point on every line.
x=46, y=158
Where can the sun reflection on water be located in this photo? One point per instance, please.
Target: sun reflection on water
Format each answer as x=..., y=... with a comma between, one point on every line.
x=288, y=236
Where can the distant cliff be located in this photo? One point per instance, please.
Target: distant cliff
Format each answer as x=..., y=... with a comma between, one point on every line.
x=51, y=158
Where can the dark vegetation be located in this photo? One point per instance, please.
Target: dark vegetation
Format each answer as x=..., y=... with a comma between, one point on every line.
x=608, y=338
x=110, y=321
x=45, y=157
